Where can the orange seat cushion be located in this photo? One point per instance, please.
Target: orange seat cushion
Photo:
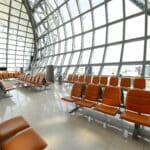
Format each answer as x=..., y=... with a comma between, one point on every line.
x=136, y=118
x=107, y=109
x=71, y=99
x=12, y=126
x=26, y=140
x=86, y=103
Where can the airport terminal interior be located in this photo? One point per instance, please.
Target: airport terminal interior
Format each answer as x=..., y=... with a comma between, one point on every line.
x=75, y=74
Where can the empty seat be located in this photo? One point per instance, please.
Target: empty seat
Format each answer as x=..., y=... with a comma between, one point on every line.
x=139, y=83
x=92, y=94
x=88, y=79
x=125, y=83
x=69, y=79
x=110, y=102
x=95, y=80
x=137, y=109
x=81, y=78
x=12, y=126
x=75, y=78
x=137, y=106
x=113, y=81
x=103, y=80
x=76, y=93
x=27, y=140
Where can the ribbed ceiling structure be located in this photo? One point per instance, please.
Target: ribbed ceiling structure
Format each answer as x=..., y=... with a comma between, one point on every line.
x=105, y=37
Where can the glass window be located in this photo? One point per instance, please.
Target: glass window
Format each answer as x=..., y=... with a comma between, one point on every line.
x=60, y=60
x=99, y=16
x=64, y=13
x=115, y=10
x=115, y=32
x=85, y=57
x=62, y=48
x=133, y=51
x=131, y=70
x=84, y=5
x=113, y=53
x=81, y=70
x=87, y=21
x=148, y=50
x=132, y=8
x=97, y=55
x=69, y=45
x=73, y=8
x=77, y=43
x=88, y=40
x=61, y=33
x=77, y=25
x=110, y=70
x=67, y=58
x=135, y=27
x=75, y=58
x=147, y=71
x=68, y=29
x=95, y=70
x=100, y=36
x=96, y=2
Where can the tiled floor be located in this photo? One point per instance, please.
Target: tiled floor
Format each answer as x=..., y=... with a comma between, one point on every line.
x=62, y=131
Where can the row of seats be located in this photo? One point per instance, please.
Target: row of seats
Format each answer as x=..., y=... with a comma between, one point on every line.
x=38, y=80
x=124, y=82
x=7, y=75
x=16, y=134
x=5, y=86
x=137, y=106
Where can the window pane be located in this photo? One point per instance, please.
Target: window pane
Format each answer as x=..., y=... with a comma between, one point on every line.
x=133, y=51
x=135, y=27
x=148, y=50
x=131, y=70
x=85, y=57
x=97, y=55
x=99, y=16
x=87, y=23
x=84, y=5
x=95, y=70
x=115, y=10
x=115, y=32
x=88, y=40
x=75, y=58
x=100, y=36
x=113, y=54
x=110, y=70
x=67, y=58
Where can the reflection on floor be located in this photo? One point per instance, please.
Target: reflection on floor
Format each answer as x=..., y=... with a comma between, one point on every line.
x=48, y=115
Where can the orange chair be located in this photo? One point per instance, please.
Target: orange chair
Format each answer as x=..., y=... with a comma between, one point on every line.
x=137, y=109
x=76, y=93
x=103, y=80
x=139, y=83
x=125, y=83
x=111, y=101
x=75, y=78
x=95, y=80
x=69, y=79
x=91, y=98
x=12, y=126
x=113, y=81
x=88, y=79
x=81, y=78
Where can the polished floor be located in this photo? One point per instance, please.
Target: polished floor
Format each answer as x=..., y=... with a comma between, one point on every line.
x=48, y=114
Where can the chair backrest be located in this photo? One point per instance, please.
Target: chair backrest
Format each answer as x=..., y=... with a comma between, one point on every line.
x=113, y=81
x=95, y=80
x=75, y=78
x=103, y=80
x=41, y=80
x=138, y=100
x=112, y=96
x=139, y=83
x=69, y=77
x=93, y=92
x=77, y=89
x=125, y=82
x=81, y=78
x=88, y=79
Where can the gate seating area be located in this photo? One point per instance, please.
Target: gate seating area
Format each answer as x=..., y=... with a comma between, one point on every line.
x=137, y=106
x=37, y=80
x=124, y=83
x=5, y=86
x=8, y=75
x=16, y=134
